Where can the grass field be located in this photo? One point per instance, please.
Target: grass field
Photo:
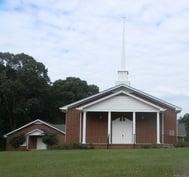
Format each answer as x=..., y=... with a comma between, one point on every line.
x=96, y=163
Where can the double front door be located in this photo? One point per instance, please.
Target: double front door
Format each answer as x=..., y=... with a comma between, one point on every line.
x=122, y=131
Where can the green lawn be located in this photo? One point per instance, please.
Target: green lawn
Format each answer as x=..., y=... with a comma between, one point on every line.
x=96, y=163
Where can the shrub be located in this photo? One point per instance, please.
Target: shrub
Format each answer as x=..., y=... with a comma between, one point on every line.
x=182, y=144
x=72, y=146
x=49, y=139
x=150, y=146
x=146, y=146
x=156, y=145
x=2, y=144
x=17, y=141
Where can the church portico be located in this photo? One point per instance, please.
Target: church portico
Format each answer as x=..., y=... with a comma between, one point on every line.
x=121, y=128
x=121, y=118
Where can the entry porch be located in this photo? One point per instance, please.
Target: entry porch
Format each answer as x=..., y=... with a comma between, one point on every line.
x=121, y=118
x=34, y=140
x=121, y=128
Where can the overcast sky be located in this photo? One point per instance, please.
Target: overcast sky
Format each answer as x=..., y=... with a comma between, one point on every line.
x=82, y=38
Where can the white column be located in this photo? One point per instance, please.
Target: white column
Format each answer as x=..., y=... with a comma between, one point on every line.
x=27, y=141
x=134, y=127
x=80, y=123
x=162, y=121
x=109, y=127
x=84, y=128
x=158, y=128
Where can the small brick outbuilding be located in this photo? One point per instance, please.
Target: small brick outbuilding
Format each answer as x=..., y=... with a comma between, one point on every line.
x=33, y=133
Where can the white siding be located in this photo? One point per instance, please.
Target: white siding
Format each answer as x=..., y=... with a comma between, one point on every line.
x=121, y=103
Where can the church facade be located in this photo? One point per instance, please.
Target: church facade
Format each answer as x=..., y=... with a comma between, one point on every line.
x=121, y=116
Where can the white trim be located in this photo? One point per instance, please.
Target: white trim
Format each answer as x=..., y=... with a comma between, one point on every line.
x=125, y=110
x=117, y=93
x=27, y=141
x=178, y=109
x=37, y=120
x=109, y=127
x=42, y=132
x=84, y=127
x=65, y=137
x=80, y=115
x=158, y=128
x=163, y=127
x=134, y=127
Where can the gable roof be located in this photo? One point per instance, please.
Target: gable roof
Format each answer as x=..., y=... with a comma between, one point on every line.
x=33, y=122
x=117, y=87
x=118, y=93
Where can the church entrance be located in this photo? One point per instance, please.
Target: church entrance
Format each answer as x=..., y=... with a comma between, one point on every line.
x=122, y=128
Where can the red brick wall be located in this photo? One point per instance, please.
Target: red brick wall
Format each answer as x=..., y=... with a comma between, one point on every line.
x=170, y=123
x=146, y=128
x=97, y=127
x=72, y=126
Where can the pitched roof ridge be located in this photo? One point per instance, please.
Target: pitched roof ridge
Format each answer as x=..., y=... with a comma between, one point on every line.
x=128, y=87
x=32, y=122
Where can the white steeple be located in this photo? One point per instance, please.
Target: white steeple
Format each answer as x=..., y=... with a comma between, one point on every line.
x=122, y=72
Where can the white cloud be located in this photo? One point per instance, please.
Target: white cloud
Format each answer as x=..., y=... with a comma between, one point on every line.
x=83, y=38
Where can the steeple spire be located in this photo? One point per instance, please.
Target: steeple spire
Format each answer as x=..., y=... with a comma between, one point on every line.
x=123, y=57
x=122, y=72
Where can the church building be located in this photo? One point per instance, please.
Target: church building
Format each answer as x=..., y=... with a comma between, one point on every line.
x=121, y=116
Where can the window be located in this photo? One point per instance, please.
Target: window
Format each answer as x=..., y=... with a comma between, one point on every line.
x=171, y=133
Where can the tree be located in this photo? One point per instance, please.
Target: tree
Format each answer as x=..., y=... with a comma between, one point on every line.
x=24, y=84
x=70, y=90
x=185, y=120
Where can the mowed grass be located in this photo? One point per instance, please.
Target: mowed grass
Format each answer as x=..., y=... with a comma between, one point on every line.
x=96, y=163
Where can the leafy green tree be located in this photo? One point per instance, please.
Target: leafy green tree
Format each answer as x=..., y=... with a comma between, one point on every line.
x=70, y=90
x=185, y=120
x=24, y=84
